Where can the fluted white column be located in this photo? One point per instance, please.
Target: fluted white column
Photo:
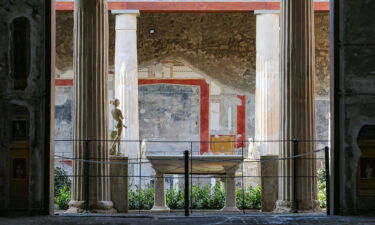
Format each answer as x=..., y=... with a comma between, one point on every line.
x=297, y=105
x=267, y=92
x=126, y=78
x=90, y=106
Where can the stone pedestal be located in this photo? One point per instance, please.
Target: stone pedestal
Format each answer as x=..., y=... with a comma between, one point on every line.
x=160, y=204
x=230, y=193
x=119, y=183
x=251, y=172
x=297, y=107
x=267, y=92
x=90, y=107
x=269, y=170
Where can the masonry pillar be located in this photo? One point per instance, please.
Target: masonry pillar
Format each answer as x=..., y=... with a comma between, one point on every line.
x=230, y=191
x=90, y=107
x=126, y=80
x=160, y=204
x=267, y=92
x=297, y=106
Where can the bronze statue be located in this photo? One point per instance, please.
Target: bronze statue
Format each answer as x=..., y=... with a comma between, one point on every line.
x=116, y=134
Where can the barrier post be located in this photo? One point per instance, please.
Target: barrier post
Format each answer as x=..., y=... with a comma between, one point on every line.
x=87, y=176
x=295, y=152
x=242, y=181
x=186, y=172
x=140, y=176
x=326, y=151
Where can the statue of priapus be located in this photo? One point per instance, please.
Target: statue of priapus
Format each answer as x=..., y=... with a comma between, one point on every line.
x=116, y=133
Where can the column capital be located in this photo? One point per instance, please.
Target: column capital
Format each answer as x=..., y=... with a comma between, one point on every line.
x=129, y=11
x=260, y=12
x=126, y=19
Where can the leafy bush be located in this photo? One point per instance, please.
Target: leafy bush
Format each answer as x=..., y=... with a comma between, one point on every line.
x=202, y=198
x=175, y=199
x=249, y=199
x=62, y=188
x=63, y=198
x=61, y=180
x=322, y=195
x=141, y=199
x=217, y=196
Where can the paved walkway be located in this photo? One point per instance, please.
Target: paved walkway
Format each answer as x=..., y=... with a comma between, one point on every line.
x=178, y=219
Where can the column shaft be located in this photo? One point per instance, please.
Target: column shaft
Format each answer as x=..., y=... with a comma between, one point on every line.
x=267, y=94
x=297, y=105
x=90, y=105
x=126, y=81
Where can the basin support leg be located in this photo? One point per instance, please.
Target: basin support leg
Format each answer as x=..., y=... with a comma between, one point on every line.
x=160, y=204
x=230, y=193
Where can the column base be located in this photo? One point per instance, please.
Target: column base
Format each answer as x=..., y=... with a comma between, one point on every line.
x=160, y=209
x=308, y=206
x=230, y=209
x=284, y=206
x=105, y=207
x=76, y=207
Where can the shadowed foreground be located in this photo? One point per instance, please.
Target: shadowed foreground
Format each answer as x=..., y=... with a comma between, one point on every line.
x=179, y=219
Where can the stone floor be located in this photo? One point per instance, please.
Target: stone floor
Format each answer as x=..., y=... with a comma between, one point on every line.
x=179, y=219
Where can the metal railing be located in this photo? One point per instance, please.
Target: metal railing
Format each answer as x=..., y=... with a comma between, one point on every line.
x=189, y=152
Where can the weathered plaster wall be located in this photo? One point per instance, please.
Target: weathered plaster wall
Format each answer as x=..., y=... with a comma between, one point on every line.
x=355, y=96
x=221, y=45
x=169, y=112
x=32, y=99
x=322, y=53
x=64, y=126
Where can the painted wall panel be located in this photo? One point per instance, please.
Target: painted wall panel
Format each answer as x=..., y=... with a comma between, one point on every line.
x=169, y=113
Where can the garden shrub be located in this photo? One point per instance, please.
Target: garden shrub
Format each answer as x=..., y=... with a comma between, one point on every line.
x=218, y=196
x=63, y=198
x=202, y=198
x=61, y=180
x=322, y=195
x=62, y=189
x=175, y=199
x=141, y=199
x=250, y=198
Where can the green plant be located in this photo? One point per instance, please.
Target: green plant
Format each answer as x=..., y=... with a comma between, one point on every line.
x=250, y=198
x=322, y=195
x=202, y=198
x=141, y=199
x=217, y=196
x=175, y=199
x=63, y=198
x=61, y=180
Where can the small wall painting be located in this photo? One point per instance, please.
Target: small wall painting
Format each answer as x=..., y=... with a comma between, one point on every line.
x=19, y=129
x=366, y=164
x=19, y=168
x=367, y=168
